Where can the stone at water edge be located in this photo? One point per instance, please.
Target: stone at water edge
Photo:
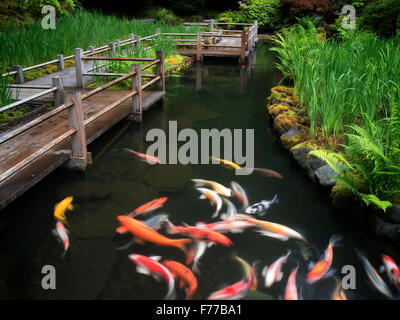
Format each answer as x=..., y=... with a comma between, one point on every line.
x=325, y=174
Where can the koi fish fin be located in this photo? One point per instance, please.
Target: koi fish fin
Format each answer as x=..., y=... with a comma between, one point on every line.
x=142, y=270
x=182, y=244
x=215, y=214
x=235, y=231
x=273, y=235
x=382, y=269
x=198, y=182
x=264, y=271
x=202, y=196
x=311, y=265
x=330, y=273
x=280, y=276
x=181, y=283
x=171, y=295
x=121, y=230
x=336, y=239
x=157, y=258
x=195, y=268
x=126, y=245
x=262, y=213
x=64, y=254
x=185, y=224
x=170, y=227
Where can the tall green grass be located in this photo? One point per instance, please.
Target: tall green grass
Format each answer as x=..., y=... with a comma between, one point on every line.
x=350, y=88
x=32, y=44
x=340, y=83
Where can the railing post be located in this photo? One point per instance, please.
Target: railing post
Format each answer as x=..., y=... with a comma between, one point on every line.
x=19, y=77
x=158, y=32
x=60, y=63
x=118, y=44
x=79, y=68
x=212, y=25
x=91, y=48
x=160, y=71
x=243, y=48
x=79, y=154
x=112, y=47
x=137, y=45
x=137, y=106
x=132, y=38
x=198, y=48
x=59, y=94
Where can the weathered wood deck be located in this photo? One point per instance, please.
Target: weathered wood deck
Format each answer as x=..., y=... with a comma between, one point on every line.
x=60, y=137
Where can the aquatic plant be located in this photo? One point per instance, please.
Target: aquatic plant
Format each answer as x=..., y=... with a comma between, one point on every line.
x=370, y=167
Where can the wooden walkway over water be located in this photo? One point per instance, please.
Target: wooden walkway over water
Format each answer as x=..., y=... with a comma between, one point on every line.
x=60, y=137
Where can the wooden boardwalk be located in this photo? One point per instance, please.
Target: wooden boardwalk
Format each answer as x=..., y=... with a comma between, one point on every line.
x=60, y=137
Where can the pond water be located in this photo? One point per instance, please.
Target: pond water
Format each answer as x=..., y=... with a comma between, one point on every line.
x=215, y=94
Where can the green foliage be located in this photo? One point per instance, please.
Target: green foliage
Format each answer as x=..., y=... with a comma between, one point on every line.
x=79, y=30
x=381, y=17
x=266, y=12
x=338, y=90
x=372, y=154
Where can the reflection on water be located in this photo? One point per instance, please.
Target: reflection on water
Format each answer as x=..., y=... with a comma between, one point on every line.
x=213, y=95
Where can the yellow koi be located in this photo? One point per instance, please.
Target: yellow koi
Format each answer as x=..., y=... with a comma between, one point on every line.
x=227, y=163
x=61, y=207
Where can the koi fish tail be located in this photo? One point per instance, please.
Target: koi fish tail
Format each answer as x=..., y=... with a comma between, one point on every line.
x=335, y=239
x=182, y=244
x=275, y=199
x=198, y=183
x=195, y=268
x=171, y=229
x=170, y=295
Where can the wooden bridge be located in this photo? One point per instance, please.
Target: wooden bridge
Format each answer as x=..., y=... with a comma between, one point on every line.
x=60, y=137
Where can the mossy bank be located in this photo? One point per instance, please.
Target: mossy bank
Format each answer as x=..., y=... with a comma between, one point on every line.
x=291, y=123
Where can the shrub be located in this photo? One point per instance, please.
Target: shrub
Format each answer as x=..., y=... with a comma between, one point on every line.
x=266, y=12
x=301, y=8
x=382, y=18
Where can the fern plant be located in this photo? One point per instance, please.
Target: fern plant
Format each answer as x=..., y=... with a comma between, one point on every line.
x=372, y=153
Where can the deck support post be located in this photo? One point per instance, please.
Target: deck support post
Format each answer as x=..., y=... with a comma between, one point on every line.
x=160, y=71
x=242, y=59
x=198, y=47
x=198, y=76
x=79, y=68
x=19, y=77
x=132, y=39
x=59, y=94
x=137, y=102
x=79, y=155
x=60, y=63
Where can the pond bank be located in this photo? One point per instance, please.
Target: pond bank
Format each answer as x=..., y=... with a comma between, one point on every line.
x=291, y=124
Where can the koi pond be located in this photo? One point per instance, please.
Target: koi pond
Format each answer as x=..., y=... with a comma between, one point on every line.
x=216, y=94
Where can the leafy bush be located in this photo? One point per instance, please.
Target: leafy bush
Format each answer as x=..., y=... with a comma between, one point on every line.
x=164, y=15
x=266, y=12
x=382, y=17
x=309, y=7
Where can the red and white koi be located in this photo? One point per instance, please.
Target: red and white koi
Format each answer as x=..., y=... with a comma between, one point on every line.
x=273, y=272
x=144, y=157
x=321, y=268
x=235, y=291
x=62, y=234
x=234, y=226
x=151, y=266
x=239, y=192
x=291, y=288
x=392, y=270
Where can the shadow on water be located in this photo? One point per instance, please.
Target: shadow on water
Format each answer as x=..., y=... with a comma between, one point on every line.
x=215, y=94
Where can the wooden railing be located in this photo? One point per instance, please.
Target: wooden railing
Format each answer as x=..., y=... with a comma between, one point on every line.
x=77, y=123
